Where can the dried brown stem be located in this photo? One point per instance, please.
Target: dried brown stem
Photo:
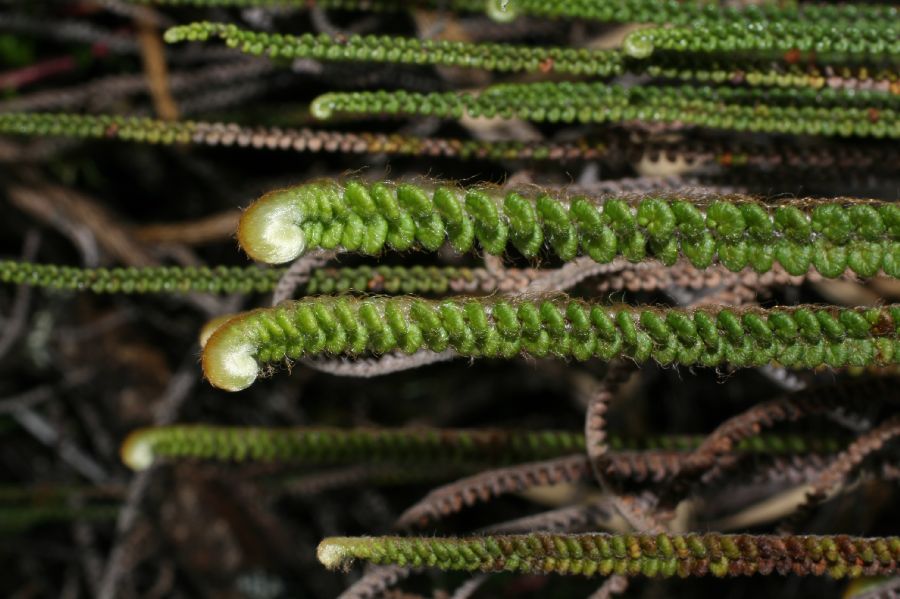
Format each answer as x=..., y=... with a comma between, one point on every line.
x=217, y=227
x=154, y=59
x=829, y=480
x=792, y=407
x=452, y=498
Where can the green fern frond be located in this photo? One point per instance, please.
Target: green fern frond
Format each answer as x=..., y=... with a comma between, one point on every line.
x=796, y=111
x=155, y=131
x=736, y=231
x=400, y=50
x=321, y=445
x=796, y=337
x=654, y=556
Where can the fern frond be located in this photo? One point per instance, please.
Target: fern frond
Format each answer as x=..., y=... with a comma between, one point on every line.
x=655, y=556
x=795, y=111
x=321, y=445
x=736, y=231
x=795, y=337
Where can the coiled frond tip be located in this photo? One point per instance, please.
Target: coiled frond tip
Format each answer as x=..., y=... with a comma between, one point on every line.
x=501, y=11
x=269, y=229
x=228, y=360
x=332, y=553
x=211, y=327
x=137, y=451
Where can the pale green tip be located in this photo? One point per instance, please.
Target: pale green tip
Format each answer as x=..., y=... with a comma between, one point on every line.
x=638, y=45
x=229, y=360
x=211, y=327
x=322, y=107
x=137, y=451
x=333, y=553
x=270, y=231
x=230, y=368
x=501, y=11
x=173, y=35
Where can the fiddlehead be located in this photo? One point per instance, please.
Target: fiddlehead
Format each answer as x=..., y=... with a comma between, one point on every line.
x=830, y=235
x=801, y=336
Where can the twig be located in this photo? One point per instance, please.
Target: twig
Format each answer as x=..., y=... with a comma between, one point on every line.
x=589, y=515
x=26, y=400
x=386, y=364
x=571, y=274
x=469, y=587
x=70, y=453
x=889, y=589
x=375, y=582
x=315, y=483
x=154, y=60
x=487, y=485
x=208, y=229
x=15, y=324
x=832, y=478
x=614, y=585
x=68, y=30
x=128, y=517
x=299, y=273
x=174, y=396
x=600, y=393
x=792, y=407
x=91, y=562
x=102, y=92
x=54, y=204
